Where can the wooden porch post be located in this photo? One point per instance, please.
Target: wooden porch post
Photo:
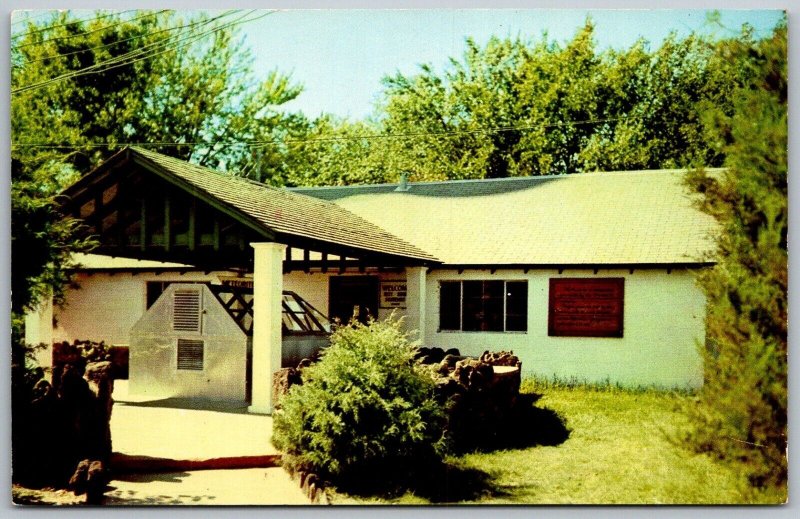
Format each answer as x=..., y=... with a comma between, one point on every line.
x=267, y=296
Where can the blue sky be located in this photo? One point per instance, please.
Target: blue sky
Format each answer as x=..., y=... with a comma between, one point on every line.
x=340, y=56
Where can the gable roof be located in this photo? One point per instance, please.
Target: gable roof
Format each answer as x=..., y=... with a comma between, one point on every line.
x=276, y=211
x=621, y=218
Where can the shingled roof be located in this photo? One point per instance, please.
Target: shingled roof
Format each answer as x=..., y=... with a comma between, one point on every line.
x=283, y=211
x=619, y=218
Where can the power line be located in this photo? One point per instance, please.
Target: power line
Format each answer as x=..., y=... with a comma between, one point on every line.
x=169, y=29
x=263, y=143
x=126, y=59
x=50, y=27
x=86, y=33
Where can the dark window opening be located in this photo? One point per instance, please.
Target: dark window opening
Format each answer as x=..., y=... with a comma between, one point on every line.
x=483, y=306
x=155, y=289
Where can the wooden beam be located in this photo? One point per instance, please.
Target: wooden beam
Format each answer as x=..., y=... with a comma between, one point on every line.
x=342, y=264
x=167, y=223
x=324, y=263
x=191, y=239
x=306, y=260
x=216, y=234
x=143, y=226
x=95, y=216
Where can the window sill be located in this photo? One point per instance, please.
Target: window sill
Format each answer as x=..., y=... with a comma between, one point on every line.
x=479, y=331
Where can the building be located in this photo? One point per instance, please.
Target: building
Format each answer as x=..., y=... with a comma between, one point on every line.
x=587, y=277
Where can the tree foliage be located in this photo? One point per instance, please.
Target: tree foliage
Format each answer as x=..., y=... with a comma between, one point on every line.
x=516, y=108
x=743, y=404
x=366, y=407
x=172, y=81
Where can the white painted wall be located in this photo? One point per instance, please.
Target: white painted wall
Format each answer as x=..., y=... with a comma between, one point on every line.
x=104, y=307
x=664, y=321
x=663, y=325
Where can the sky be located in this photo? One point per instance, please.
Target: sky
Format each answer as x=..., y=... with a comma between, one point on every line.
x=340, y=56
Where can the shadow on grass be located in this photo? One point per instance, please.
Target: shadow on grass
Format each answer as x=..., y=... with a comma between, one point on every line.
x=522, y=426
x=438, y=482
x=530, y=425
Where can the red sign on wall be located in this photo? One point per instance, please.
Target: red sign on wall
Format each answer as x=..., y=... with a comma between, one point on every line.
x=586, y=307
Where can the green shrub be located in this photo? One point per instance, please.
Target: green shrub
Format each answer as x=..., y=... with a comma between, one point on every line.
x=366, y=408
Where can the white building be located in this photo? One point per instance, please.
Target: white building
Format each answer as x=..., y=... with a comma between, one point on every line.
x=587, y=276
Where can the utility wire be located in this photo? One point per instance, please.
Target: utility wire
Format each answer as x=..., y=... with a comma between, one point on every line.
x=50, y=27
x=169, y=29
x=86, y=33
x=138, y=54
x=263, y=143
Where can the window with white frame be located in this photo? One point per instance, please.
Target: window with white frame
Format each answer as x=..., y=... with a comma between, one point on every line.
x=483, y=306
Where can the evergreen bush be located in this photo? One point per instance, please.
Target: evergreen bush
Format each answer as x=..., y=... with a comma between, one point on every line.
x=366, y=408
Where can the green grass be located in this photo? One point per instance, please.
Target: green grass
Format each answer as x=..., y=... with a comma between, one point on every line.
x=624, y=447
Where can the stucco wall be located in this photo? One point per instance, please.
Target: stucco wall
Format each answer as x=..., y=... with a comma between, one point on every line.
x=663, y=325
x=104, y=307
x=663, y=321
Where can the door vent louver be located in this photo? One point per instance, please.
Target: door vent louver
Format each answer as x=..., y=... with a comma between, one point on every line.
x=186, y=311
x=190, y=354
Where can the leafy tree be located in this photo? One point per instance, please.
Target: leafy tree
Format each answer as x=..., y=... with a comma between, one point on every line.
x=514, y=107
x=81, y=89
x=743, y=404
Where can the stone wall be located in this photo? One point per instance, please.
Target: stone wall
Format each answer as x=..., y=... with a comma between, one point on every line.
x=61, y=431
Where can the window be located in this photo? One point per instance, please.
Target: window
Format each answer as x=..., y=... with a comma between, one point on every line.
x=190, y=355
x=483, y=306
x=154, y=291
x=186, y=311
x=586, y=307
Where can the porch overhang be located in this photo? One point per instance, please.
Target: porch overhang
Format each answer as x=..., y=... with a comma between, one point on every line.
x=142, y=205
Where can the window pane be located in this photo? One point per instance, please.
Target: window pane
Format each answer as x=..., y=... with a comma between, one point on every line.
x=473, y=305
x=450, y=305
x=483, y=306
x=492, y=306
x=516, y=306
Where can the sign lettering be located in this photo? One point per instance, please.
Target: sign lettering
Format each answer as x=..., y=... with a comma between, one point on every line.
x=393, y=294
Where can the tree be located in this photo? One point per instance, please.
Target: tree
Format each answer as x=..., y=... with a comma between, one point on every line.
x=81, y=89
x=514, y=107
x=743, y=404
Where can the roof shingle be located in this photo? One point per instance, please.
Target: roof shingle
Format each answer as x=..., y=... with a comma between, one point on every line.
x=632, y=217
x=288, y=212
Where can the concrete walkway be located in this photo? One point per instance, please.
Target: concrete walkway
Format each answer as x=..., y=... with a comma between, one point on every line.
x=161, y=445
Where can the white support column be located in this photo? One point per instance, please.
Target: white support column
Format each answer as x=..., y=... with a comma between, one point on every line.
x=39, y=330
x=416, y=279
x=267, y=297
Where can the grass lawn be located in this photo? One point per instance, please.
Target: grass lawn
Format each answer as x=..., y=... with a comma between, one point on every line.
x=623, y=448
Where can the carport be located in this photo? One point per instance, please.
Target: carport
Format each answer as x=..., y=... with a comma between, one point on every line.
x=143, y=205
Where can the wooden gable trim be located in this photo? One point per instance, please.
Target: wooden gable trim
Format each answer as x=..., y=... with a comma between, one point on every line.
x=238, y=215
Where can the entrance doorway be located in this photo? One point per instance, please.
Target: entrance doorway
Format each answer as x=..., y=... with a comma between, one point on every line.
x=351, y=296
